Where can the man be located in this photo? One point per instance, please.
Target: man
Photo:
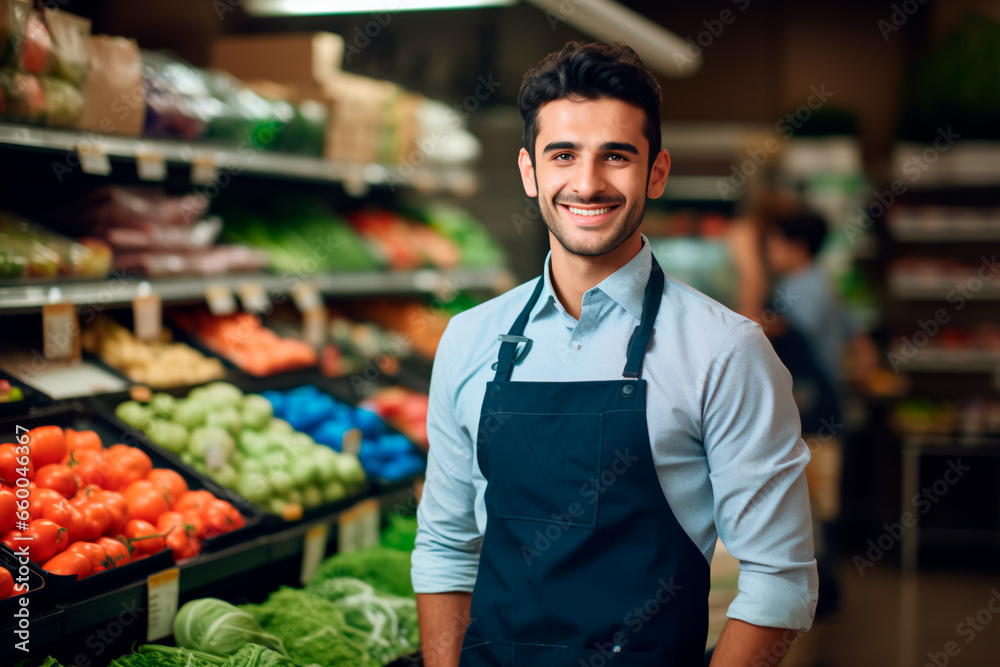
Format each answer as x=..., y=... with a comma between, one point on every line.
x=583, y=465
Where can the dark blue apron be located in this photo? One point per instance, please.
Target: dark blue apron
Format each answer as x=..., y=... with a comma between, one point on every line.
x=583, y=563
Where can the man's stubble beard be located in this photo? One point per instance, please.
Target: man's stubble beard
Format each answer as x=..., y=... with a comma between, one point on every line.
x=632, y=220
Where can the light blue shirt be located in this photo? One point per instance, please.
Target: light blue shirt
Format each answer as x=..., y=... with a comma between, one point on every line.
x=723, y=427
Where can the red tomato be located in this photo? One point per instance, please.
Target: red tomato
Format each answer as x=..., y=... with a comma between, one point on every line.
x=169, y=481
x=47, y=539
x=10, y=468
x=168, y=520
x=195, y=501
x=40, y=499
x=47, y=445
x=145, y=501
x=96, y=520
x=67, y=516
x=118, y=551
x=128, y=465
x=69, y=564
x=181, y=544
x=9, y=540
x=8, y=510
x=6, y=583
x=196, y=524
x=85, y=494
x=57, y=477
x=94, y=553
x=221, y=517
x=91, y=467
x=81, y=441
x=144, y=537
x=115, y=502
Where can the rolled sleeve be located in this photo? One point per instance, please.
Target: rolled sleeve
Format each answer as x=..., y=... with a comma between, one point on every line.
x=446, y=557
x=757, y=460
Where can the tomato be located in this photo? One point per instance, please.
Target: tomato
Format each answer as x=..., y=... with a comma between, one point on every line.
x=69, y=564
x=94, y=553
x=196, y=525
x=47, y=445
x=10, y=468
x=80, y=441
x=119, y=552
x=221, y=517
x=8, y=510
x=85, y=494
x=195, y=501
x=169, y=481
x=9, y=540
x=6, y=583
x=181, y=544
x=57, y=477
x=39, y=499
x=145, y=501
x=128, y=464
x=168, y=520
x=144, y=537
x=91, y=467
x=115, y=502
x=47, y=539
x=96, y=520
x=66, y=515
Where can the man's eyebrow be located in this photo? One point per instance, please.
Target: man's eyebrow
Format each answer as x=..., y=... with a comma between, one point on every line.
x=620, y=146
x=561, y=146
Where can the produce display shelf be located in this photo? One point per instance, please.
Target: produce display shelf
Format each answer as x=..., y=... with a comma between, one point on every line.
x=931, y=360
x=967, y=163
x=357, y=177
x=945, y=443
x=938, y=288
x=120, y=290
x=984, y=231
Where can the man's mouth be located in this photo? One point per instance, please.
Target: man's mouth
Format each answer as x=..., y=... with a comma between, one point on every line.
x=590, y=214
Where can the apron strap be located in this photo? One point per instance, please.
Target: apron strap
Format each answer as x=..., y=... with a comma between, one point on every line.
x=640, y=337
x=508, y=349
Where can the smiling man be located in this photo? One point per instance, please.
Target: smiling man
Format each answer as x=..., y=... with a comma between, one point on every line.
x=595, y=431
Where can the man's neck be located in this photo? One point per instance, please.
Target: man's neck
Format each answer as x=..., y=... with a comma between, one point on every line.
x=572, y=275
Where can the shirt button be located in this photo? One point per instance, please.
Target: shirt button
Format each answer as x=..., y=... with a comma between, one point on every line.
x=577, y=346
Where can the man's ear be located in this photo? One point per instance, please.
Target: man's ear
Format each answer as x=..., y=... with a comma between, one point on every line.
x=658, y=175
x=527, y=173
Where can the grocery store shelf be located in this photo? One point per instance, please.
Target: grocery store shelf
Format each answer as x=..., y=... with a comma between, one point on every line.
x=356, y=177
x=121, y=289
x=940, y=288
x=932, y=360
x=949, y=443
x=946, y=232
x=701, y=188
x=962, y=164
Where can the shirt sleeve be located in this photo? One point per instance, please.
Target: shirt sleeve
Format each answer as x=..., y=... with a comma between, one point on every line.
x=446, y=556
x=757, y=460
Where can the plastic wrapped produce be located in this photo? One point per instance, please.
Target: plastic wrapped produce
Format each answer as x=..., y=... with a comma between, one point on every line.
x=115, y=206
x=30, y=250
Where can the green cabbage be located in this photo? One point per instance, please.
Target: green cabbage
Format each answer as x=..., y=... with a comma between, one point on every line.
x=214, y=626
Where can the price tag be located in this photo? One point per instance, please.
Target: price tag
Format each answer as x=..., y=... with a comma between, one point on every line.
x=351, y=442
x=93, y=160
x=141, y=393
x=204, y=171
x=150, y=165
x=60, y=331
x=359, y=526
x=418, y=489
x=306, y=297
x=314, y=323
x=254, y=298
x=220, y=300
x=314, y=550
x=147, y=314
x=163, y=590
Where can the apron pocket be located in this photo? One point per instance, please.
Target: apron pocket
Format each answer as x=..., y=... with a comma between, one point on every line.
x=545, y=467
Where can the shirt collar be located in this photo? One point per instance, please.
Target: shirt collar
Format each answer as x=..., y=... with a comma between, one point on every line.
x=626, y=286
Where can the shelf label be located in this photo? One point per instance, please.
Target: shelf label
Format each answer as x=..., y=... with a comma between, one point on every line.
x=204, y=171
x=60, y=331
x=306, y=296
x=254, y=298
x=150, y=166
x=351, y=442
x=93, y=160
x=163, y=590
x=359, y=526
x=314, y=323
x=147, y=313
x=313, y=550
x=220, y=300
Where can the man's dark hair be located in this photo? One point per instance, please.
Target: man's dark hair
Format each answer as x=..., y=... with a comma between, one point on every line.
x=591, y=71
x=808, y=228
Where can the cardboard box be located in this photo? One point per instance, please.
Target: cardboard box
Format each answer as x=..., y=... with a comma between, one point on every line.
x=114, y=100
x=293, y=58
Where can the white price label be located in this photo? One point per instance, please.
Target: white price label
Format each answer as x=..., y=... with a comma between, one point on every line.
x=93, y=160
x=313, y=550
x=351, y=442
x=254, y=298
x=60, y=331
x=359, y=526
x=314, y=326
x=150, y=165
x=204, y=171
x=220, y=300
x=306, y=297
x=147, y=314
x=163, y=590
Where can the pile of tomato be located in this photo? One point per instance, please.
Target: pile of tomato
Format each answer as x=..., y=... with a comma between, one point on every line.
x=83, y=508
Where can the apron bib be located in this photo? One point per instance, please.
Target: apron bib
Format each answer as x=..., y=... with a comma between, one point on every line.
x=583, y=563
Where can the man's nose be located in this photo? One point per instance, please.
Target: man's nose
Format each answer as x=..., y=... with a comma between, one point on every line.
x=589, y=179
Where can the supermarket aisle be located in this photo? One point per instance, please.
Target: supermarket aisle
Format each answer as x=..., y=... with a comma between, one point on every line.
x=887, y=620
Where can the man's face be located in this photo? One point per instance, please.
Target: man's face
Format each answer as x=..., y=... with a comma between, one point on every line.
x=591, y=172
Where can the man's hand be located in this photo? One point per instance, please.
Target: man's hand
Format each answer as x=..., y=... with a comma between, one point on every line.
x=743, y=644
x=443, y=619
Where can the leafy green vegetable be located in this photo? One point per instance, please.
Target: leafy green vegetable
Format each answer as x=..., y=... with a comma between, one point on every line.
x=215, y=626
x=257, y=411
x=401, y=533
x=154, y=655
x=386, y=570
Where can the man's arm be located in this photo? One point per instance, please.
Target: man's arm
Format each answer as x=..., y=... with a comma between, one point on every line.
x=443, y=619
x=757, y=459
x=741, y=642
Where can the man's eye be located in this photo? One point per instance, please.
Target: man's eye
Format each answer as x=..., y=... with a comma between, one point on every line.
x=614, y=157
x=563, y=157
